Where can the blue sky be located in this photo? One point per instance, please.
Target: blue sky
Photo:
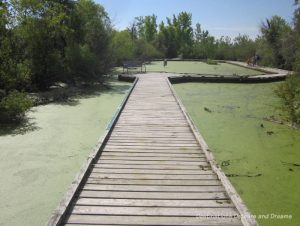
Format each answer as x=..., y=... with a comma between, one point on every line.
x=219, y=17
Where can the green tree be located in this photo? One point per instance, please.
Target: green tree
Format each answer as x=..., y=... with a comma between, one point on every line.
x=274, y=31
x=204, y=46
x=89, y=52
x=43, y=27
x=224, y=48
x=146, y=27
x=123, y=46
x=244, y=47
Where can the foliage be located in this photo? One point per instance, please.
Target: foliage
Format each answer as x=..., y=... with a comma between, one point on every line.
x=45, y=41
x=123, y=47
x=14, y=105
x=244, y=47
x=274, y=31
x=289, y=93
x=211, y=62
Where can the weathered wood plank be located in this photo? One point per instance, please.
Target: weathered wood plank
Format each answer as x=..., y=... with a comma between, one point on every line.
x=153, y=176
x=158, y=151
x=155, y=195
x=153, y=166
x=153, y=171
x=151, y=220
x=146, y=158
x=139, y=162
x=156, y=211
x=153, y=154
x=153, y=182
x=146, y=188
x=154, y=203
x=154, y=148
x=142, y=144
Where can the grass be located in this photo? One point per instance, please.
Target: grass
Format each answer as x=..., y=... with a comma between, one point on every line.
x=39, y=160
x=262, y=158
x=197, y=67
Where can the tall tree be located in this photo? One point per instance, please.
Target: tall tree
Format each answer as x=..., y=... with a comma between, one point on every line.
x=274, y=30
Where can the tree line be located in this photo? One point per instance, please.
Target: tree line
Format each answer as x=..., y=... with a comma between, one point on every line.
x=277, y=44
x=47, y=41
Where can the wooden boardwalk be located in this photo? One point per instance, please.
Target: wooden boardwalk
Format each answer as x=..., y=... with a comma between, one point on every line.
x=153, y=169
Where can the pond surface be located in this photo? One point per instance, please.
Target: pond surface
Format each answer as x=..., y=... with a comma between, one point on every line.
x=39, y=160
x=196, y=67
x=262, y=158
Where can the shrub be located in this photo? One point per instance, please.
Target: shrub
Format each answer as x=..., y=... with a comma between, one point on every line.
x=289, y=93
x=14, y=105
x=211, y=62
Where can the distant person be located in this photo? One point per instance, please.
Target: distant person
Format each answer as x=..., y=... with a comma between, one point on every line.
x=165, y=62
x=256, y=59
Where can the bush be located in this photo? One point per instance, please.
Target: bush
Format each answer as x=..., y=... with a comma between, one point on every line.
x=14, y=105
x=289, y=93
x=211, y=62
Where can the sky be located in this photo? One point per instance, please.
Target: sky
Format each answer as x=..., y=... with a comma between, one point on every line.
x=219, y=17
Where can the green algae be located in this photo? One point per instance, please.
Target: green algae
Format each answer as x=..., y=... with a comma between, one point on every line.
x=39, y=163
x=261, y=158
x=198, y=67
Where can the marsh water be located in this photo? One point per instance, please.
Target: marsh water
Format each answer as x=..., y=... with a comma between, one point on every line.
x=40, y=159
x=261, y=158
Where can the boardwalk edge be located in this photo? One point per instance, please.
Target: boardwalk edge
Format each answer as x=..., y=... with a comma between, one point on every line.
x=245, y=213
x=60, y=212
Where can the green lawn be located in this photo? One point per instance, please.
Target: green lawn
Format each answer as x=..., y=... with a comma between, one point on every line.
x=243, y=147
x=197, y=67
x=38, y=166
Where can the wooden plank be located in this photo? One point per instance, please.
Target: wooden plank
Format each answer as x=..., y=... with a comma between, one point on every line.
x=170, y=151
x=155, y=195
x=153, y=182
x=156, y=211
x=157, y=139
x=170, y=158
x=152, y=171
x=153, y=176
x=150, y=220
x=157, y=151
x=154, y=148
x=154, y=203
x=158, y=188
x=153, y=166
x=153, y=154
x=138, y=162
x=142, y=144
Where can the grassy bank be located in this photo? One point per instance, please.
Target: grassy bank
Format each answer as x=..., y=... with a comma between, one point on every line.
x=39, y=160
x=261, y=158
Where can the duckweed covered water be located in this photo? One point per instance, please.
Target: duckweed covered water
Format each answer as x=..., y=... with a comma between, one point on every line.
x=39, y=161
x=198, y=67
x=262, y=158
